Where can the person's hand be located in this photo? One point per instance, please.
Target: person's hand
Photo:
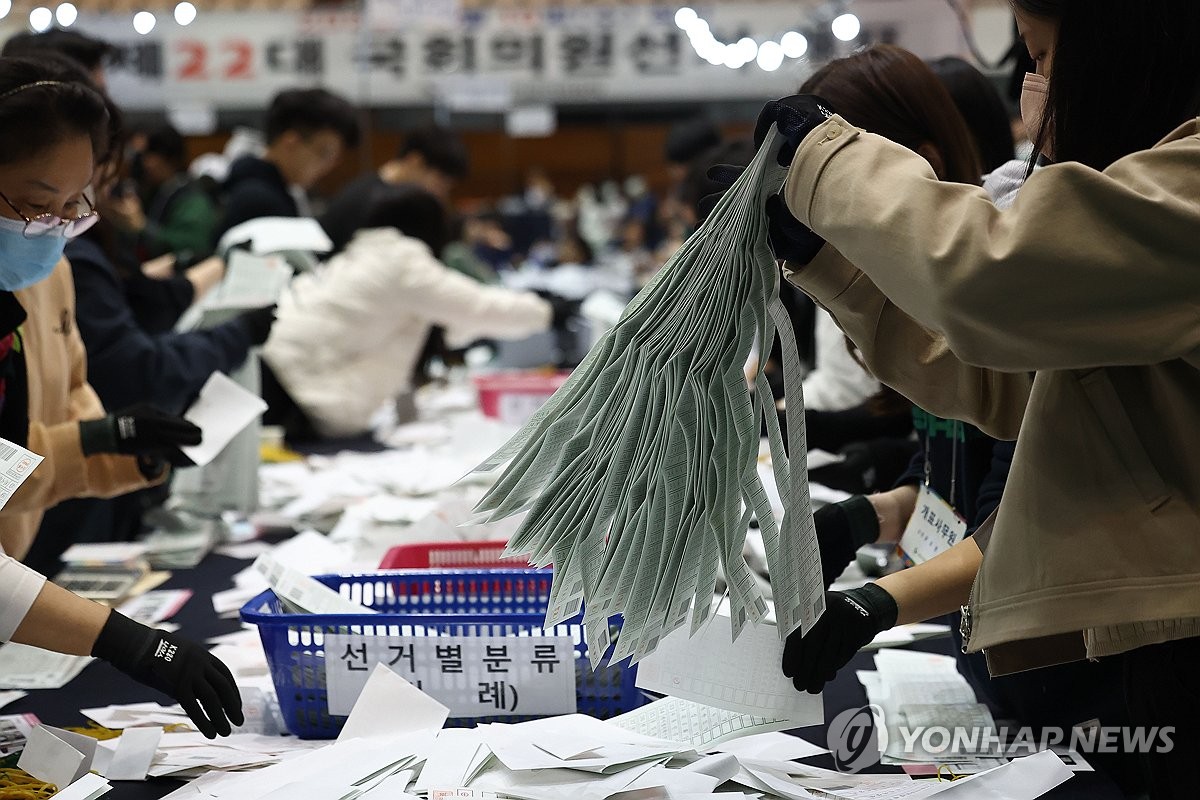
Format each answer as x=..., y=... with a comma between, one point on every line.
x=126, y=212
x=258, y=323
x=141, y=430
x=160, y=268
x=177, y=666
x=893, y=509
x=842, y=528
x=851, y=620
x=794, y=118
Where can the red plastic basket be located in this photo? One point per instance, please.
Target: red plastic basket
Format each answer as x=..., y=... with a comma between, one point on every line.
x=513, y=397
x=450, y=555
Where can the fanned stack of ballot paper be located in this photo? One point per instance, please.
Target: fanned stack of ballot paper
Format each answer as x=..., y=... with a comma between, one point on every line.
x=640, y=473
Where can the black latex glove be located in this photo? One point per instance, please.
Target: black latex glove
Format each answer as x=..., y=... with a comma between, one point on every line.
x=851, y=620
x=562, y=308
x=140, y=430
x=791, y=241
x=177, y=666
x=257, y=323
x=842, y=528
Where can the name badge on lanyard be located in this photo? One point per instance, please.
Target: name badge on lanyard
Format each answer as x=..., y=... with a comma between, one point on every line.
x=935, y=526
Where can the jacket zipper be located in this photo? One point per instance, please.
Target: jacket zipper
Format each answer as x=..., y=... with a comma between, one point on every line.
x=965, y=621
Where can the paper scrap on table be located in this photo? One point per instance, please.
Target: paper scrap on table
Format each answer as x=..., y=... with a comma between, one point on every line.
x=89, y=787
x=389, y=706
x=56, y=756
x=743, y=676
x=305, y=594
x=771, y=747
x=688, y=722
x=1023, y=779
x=154, y=607
x=450, y=760
x=16, y=464
x=133, y=715
x=222, y=411
x=25, y=667
x=135, y=752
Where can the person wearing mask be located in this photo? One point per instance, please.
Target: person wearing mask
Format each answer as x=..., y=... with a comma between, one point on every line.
x=348, y=335
x=88, y=453
x=433, y=159
x=307, y=131
x=1089, y=280
x=46, y=405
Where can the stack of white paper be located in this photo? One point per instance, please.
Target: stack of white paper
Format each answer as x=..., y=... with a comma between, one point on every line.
x=24, y=667
x=640, y=473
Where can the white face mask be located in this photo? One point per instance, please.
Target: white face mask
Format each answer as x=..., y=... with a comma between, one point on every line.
x=1034, y=94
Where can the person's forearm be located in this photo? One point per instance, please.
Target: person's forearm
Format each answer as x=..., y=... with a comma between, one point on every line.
x=206, y=275
x=939, y=586
x=62, y=621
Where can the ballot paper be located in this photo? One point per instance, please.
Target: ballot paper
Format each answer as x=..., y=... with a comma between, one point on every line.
x=91, y=553
x=154, y=607
x=251, y=281
x=57, y=756
x=134, y=754
x=278, y=235
x=10, y=697
x=25, y=667
x=222, y=411
x=302, y=594
x=701, y=726
x=640, y=476
x=745, y=677
x=1022, y=779
x=390, y=705
x=771, y=747
x=16, y=464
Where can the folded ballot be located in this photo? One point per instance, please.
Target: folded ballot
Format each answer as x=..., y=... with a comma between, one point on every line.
x=639, y=475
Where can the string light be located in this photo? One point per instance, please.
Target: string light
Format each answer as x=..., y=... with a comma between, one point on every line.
x=185, y=13
x=143, y=22
x=5, y=7
x=66, y=14
x=769, y=54
x=41, y=18
x=846, y=27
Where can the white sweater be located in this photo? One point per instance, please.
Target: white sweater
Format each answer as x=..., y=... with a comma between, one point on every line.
x=347, y=336
x=838, y=382
x=19, y=587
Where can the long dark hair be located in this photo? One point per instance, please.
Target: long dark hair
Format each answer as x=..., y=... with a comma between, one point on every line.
x=981, y=105
x=1124, y=76
x=58, y=103
x=412, y=211
x=889, y=91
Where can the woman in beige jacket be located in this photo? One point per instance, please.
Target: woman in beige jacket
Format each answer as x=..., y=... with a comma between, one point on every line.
x=1092, y=281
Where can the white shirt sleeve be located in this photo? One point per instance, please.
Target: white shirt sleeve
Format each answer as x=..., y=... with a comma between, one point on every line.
x=838, y=382
x=19, y=587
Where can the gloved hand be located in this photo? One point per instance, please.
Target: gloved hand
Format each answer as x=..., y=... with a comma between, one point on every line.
x=257, y=323
x=842, y=528
x=140, y=430
x=562, y=308
x=795, y=118
x=851, y=619
x=174, y=665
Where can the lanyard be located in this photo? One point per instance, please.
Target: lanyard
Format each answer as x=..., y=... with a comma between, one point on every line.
x=955, y=426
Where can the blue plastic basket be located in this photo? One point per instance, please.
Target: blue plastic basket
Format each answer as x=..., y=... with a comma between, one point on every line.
x=487, y=602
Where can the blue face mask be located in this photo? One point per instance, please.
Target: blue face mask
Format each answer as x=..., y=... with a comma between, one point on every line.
x=26, y=260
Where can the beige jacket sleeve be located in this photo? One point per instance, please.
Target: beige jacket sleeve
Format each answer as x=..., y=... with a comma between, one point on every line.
x=909, y=357
x=1087, y=268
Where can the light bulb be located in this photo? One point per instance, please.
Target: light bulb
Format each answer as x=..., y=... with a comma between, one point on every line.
x=185, y=13
x=143, y=22
x=748, y=48
x=846, y=27
x=41, y=18
x=5, y=7
x=770, y=56
x=66, y=14
x=684, y=17
x=794, y=44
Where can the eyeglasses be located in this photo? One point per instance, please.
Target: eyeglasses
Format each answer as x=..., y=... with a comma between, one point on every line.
x=45, y=223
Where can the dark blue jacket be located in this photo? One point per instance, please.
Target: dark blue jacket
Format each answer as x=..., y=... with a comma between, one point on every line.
x=254, y=188
x=126, y=365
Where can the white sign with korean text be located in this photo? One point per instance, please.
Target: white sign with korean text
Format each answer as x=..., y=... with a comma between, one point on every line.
x=473, y=676
x=934, y=528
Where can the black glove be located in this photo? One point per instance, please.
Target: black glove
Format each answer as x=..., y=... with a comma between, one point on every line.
x=257, y=323
x=851, y=620
x=842, y=528
x=562, y=308
x=140, y=430
x=795, y=118
x=181, y=668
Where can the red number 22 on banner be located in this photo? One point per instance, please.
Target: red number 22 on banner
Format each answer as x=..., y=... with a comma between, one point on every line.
x=239, y=63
